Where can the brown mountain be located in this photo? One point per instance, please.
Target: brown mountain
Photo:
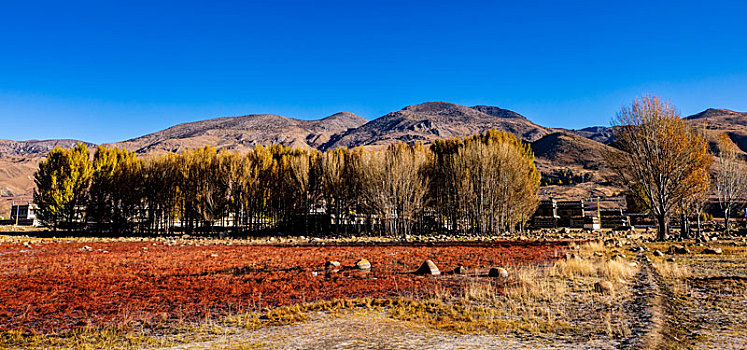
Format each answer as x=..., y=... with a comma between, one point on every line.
x=718, y=121
x=241, y=133
x=562, y=149
x=31, y=147
x=432, y=120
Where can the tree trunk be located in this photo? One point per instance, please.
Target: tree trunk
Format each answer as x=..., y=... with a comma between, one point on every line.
x=726, y=221
x=662, y=229
x=684, y=227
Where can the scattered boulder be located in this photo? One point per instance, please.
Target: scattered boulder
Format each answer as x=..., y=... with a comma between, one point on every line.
x=658, y=253
x=363, y=264
x=716, y=251
x=675, y=249
x=638, y=249
x=618, y=256
x=604, y=287
x=460, y=270
x=498, y=272
x=428, y=268
x=332, y=265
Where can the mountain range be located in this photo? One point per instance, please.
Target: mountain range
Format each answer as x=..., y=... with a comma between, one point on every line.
x=578, y=150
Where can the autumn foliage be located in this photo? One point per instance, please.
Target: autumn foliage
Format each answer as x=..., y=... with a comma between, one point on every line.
x=482, y=184
x=666, y=160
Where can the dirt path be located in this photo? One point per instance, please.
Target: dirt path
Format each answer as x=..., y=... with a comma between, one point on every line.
x=647, y=308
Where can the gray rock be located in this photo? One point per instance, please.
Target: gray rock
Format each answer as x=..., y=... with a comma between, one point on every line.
x=428, y=268
x=498, y=272
x=460, y=270
x=363, y=264
x=332, y=265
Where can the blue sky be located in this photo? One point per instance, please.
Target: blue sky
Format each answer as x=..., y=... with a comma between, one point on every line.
x=105, y=71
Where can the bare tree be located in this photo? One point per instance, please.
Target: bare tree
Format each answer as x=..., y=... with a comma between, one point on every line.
x=665, y=162
x=731, y=177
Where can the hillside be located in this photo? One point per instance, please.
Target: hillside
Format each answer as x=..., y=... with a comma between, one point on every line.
x=432, y=120
x=718, y=121
x=34, y=147
x=561, y=149
x=242, y=133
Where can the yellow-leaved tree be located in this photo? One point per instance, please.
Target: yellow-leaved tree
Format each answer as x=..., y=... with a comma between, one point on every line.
x=665, y=162
x=61, y=186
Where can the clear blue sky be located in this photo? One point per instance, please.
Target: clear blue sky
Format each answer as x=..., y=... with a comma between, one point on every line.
x=105, y=71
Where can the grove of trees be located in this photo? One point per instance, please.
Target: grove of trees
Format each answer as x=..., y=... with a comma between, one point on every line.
x=482, y=184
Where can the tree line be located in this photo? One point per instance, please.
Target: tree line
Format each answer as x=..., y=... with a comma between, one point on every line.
x=481, y=184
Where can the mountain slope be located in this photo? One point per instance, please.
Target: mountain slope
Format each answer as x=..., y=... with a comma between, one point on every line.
x=432, y=120
x=718, y=121
x=563, y=149
x=31, y=147
x=242, y=133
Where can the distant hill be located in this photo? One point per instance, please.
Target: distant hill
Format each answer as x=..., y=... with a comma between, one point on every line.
x=31, y=147
x=562, y=149
x=242, y=133
x=601, y=134
x=432, y=120
x=718, y=121
x=715, y=116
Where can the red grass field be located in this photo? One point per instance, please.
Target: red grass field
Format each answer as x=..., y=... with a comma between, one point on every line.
x=59, y=286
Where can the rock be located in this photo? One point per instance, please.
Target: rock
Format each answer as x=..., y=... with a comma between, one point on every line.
x=460, y=270
x=670, y=259
x=85, y=247
x=363, y=264
x=428, y=268
x=658, y=253
x=498, y=272
x=571, y=256
x=638, y=249
x=598, y=254
x=565, y=230
x=678, y=250
x=716, y=251
x=618, y=256
x=332, y=265
x=604, y=287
